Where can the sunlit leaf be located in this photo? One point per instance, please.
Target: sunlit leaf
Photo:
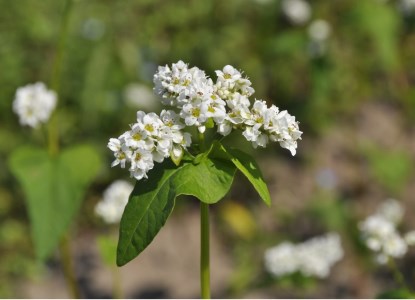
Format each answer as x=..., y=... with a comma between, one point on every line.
x=152, y=200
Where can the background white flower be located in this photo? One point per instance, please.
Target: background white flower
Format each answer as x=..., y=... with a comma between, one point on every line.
x=34, y=104
x=319, y=30
x=314, y=257
x=114, y=200
x=297, y=11
x=380, y=234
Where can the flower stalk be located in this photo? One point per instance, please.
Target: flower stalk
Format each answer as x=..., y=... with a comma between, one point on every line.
x=68, y=270
x=53, y=148
x=53, y=132
x=204, y=251
x=204, y=239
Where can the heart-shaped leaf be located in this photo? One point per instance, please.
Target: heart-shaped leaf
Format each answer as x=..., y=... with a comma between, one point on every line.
x=246, y=164
x=54, y=188
x=152, y=200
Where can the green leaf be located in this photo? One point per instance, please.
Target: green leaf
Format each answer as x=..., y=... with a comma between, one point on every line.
x=152, y=201
x=247, y=165
x=54, y=188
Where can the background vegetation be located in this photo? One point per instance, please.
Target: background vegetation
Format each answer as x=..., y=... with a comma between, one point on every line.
x=355, y=102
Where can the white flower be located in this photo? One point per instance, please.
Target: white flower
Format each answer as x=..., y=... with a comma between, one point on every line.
x=267, y=123
x=115, y=198
x=410, y=238
x=225, y=128
x=118, y=147
x=34, y=104
x=178, y=84
x=149, y=123
x=395, y=246
x=194, y=114
x=281, y=260
x=380, y=234
x=391, y=210
x=141, y=163
x=256, y=136
x=231, y=82
x=314, y=257
x=319, y=30
x=297, y=11
x=171, y=119
x=284, y=129
x=152, y=138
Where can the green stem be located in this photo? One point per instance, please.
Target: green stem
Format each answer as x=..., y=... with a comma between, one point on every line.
x=117, y=288
x=204, y=239
x=397, y=274
x=68, y=268
x=53, y=145
x=204, y=251
x=53, y=132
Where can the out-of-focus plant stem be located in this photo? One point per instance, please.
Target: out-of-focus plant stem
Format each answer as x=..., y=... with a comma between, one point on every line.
x=67, y=264
x=117, y=288
x=53, y=146
x=397, y=274
x=53, y=132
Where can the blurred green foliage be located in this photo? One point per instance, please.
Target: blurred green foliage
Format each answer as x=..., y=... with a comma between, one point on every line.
x=392, y=169
x=369, y=57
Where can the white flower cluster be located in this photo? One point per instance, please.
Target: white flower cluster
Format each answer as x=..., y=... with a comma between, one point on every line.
x=314, y=257
x=115, y=198
x=379, y=231
x=152, y=138
x=202, y=103
x=34, y=104
x=226, y=103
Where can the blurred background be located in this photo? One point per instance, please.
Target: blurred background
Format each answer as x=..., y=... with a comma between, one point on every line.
x=344, y=68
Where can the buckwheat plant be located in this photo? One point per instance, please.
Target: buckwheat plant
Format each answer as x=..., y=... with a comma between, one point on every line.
x=380, y=234
x=168, y=157
x=54, y=180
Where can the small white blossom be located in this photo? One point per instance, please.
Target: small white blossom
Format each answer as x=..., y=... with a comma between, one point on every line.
x=281, y=260
x=152, y=138
x=314, y=257
x=34, y=104
x=231, y=82
x=141, y=163
x=380, y=234
x=297, y=11
x=319, y=30
x=115, y=198
x=391, y=210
